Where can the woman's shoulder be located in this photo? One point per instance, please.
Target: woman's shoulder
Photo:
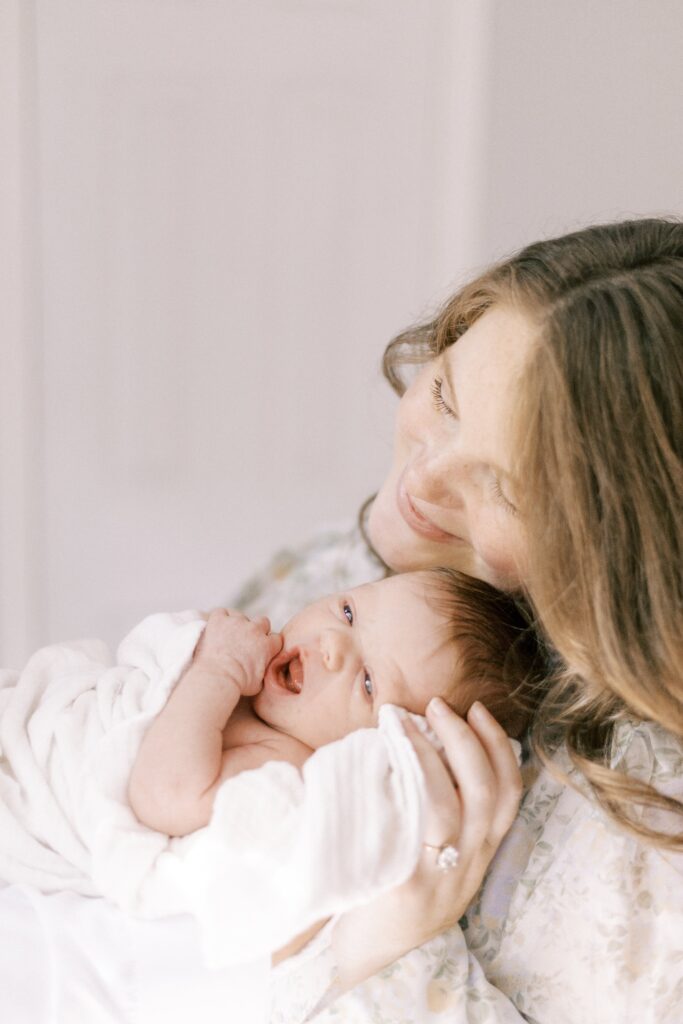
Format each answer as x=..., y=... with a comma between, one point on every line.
x=641, y=752
x=648, y=752
x=570, y=888
x=335, y=558
x=561, y=828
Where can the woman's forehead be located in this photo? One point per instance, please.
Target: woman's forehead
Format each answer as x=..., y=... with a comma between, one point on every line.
x=484, y=371
x=494, y=350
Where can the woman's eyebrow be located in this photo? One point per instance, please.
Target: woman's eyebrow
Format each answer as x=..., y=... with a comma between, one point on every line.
x=448, y=374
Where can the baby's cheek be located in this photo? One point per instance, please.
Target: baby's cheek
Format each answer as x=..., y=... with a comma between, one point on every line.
x=366, y=715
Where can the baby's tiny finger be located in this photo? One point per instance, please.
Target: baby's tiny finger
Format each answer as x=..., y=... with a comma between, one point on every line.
x=275, y=644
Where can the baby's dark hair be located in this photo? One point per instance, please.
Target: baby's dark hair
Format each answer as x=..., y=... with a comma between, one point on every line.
x=501, y=660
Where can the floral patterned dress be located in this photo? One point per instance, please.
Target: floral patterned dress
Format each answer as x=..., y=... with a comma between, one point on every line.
x=577, y=922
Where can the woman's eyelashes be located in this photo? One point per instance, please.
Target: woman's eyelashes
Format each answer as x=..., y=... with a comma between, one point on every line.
x=438, y=400
x=442, y=406
x=499, y=497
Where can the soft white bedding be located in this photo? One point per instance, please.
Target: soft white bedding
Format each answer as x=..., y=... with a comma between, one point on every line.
x=69, y=959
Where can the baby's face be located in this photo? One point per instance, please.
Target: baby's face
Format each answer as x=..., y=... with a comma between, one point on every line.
x=347, y=654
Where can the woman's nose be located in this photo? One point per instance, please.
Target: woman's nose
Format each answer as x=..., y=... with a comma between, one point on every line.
x=438, y=477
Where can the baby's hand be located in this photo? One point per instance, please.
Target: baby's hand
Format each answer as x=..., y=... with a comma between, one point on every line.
x=234, y=646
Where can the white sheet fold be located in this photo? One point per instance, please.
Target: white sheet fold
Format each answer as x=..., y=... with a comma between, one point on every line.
x=309, y=847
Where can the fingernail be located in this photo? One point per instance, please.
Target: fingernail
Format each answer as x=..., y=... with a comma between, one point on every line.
x=478, y=711
x=437, y=707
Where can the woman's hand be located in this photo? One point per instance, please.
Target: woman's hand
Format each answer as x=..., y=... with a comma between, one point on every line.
x=471, y=803
x=472, y=800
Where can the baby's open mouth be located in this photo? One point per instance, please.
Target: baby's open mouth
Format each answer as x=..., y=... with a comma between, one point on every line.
x=287, y=671
x=292, y=675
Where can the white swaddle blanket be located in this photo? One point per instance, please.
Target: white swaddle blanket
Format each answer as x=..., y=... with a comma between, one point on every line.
x=281, y=852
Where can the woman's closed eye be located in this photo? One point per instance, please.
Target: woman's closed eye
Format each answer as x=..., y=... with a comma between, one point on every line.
x=439, y=401
x=500, y=498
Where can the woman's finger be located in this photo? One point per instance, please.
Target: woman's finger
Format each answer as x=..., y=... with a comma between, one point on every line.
x=472, y=771
x=503, y=760
x=463, y=807
x=442, y=820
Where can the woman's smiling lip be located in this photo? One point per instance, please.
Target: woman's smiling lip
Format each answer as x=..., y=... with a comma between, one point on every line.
x=418, y=522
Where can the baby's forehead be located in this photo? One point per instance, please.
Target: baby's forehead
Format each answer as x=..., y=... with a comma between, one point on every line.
x=412, y=631
x=415, y=599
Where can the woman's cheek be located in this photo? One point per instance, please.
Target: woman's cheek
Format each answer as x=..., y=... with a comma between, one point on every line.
x=403, y=436
x=415, y=409
x=501, y=548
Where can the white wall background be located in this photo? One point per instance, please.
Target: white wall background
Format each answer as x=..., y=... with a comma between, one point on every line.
x=213, y=215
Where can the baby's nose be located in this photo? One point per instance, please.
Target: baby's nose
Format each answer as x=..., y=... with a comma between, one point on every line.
x=333, y=650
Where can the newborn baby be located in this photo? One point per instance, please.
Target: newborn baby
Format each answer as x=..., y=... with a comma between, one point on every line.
x=109, y=767
x=251, y=696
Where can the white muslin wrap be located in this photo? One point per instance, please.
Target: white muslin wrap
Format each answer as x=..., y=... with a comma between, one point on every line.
x=282, y=851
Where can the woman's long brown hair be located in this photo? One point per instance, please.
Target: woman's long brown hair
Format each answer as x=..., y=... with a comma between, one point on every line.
x=599, y=460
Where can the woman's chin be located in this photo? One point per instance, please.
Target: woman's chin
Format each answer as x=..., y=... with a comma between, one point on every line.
x=398, y=546
x=386, y=533
x=403, y=550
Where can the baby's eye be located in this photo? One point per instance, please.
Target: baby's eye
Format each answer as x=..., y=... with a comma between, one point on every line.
x=367, y=683
x=348, y=612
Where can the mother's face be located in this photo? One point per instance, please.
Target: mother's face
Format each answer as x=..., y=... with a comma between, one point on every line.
x=449, y=498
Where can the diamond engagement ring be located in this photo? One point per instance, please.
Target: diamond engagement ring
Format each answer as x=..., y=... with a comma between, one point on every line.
x=446, y=857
